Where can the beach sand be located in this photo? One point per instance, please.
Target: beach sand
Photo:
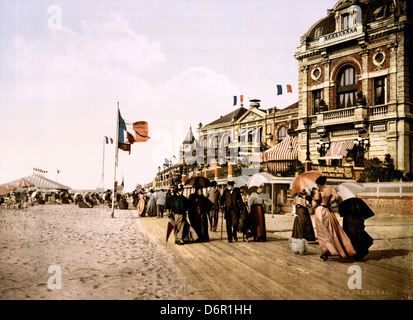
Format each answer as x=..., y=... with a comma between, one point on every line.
x=98, y=257
x=65, y=252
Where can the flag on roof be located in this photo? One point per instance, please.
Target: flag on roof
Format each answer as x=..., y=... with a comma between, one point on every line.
x=108, y=139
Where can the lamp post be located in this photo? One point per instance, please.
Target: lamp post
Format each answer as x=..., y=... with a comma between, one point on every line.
x=322, y=147
x=308, y=162
x=362, y=146
x=307, y=124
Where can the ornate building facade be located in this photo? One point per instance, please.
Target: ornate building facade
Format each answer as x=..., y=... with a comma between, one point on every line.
x=355, y=87
x=239, y=139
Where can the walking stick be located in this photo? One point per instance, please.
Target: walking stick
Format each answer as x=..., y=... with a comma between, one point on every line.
x=222, y=223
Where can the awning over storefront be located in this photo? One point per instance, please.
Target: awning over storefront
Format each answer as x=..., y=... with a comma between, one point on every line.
x=338, y=149
x=285, y=150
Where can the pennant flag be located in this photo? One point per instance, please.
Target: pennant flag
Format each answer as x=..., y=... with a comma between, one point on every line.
x=241, y=99
x=279, y=90
x=235, y=100
x=167, y=163
x=40, y=170
x=107, y=140
x=289, y=88
x=58, y=171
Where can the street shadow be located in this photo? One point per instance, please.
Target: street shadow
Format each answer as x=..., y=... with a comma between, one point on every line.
x=386, y=254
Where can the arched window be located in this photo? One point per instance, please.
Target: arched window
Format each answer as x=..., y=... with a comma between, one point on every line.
x=347, y=88
x=282, y=133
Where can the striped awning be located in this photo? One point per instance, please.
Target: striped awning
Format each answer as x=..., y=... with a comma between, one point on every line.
x=338, y=149
x=285, y=150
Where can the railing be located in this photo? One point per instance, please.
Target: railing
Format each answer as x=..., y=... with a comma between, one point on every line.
x=338, y=114
x=389, y=189
x=377, y=111
x=340, y=34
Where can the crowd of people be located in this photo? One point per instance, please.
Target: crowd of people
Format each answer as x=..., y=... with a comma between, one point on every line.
x=244, y=213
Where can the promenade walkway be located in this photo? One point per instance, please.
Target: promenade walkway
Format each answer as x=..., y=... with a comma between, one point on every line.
x=269, y=270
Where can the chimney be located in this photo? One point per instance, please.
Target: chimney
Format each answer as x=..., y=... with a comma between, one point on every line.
x=255, y=103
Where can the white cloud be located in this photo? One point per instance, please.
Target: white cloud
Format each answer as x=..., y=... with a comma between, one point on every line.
x=62, y=91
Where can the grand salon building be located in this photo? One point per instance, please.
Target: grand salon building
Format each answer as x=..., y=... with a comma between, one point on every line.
x=355, y=87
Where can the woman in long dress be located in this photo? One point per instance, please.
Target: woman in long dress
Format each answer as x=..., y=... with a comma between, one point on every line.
x=354, y=211
x=151, y=209
x=331, y=237
x=199, y=206
x=255, y=202
x=302, y=227
x=141, y=204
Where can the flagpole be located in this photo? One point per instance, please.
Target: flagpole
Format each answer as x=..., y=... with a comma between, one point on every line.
x=103, y=163
x=116, y=162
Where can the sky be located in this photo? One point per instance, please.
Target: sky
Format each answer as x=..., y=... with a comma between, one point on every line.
x=65, y=66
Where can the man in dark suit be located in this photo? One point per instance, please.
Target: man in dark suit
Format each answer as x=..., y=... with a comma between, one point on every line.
x=232, y=201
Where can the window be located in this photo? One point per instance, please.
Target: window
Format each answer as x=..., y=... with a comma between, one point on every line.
x=316, y=101
x=347, y=88
x=316, y=73
x=345, y=21
x=379, y=90
x=282, y=133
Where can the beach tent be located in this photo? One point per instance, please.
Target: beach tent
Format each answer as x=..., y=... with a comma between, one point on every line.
x=39, y=182
x=6, y=188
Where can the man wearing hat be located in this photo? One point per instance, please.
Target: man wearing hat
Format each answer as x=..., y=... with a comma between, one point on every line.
x=232, y=201
x=178, y=206
x=214, y=196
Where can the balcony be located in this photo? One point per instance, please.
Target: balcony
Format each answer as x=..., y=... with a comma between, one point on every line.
x=340, y=116
x=337, y=37
x=350, y=115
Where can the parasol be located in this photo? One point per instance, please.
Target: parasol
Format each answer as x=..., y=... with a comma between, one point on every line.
x=240, y=181
x=198, y=182
x=259, y=178
x=349, y=190
x=304, y=180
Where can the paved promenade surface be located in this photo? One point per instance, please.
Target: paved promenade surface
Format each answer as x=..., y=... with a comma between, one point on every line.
x=269, y=270
x=64, y=252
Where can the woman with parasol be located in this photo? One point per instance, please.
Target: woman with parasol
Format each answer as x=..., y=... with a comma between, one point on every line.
x=199, y=207
x=302, y=227
x=257, y=216
x=331, y=237
x=354, y=211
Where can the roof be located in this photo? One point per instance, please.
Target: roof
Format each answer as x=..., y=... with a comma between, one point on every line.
x=368, y=8
x=291, y=107
x=40, y=182
x=232, y=116
x=189, y=137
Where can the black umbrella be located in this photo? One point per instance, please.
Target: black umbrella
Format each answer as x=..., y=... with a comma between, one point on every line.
x=199, y=182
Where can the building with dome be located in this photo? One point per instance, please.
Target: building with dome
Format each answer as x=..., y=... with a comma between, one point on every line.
x=355, y=87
